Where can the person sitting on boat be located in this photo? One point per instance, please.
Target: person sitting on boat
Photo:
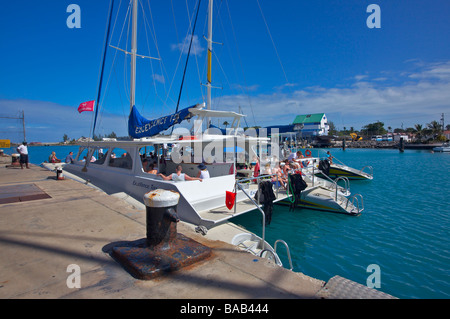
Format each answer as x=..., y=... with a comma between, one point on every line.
x=152, y=169
x=69, y=158
x=256, y=169
x=267, y=170
x=146, y=166
x=178, y=176
x=278, y=179
x=329, y=157
x=53, y=158
x=293, y=160
x=285, y=168
x=203, y=173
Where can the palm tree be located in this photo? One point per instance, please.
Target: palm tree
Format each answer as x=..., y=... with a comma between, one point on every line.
x=418, y=129
x=435, y=127
x=226, y=124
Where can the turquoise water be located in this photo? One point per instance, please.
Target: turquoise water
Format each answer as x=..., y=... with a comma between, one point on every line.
x=39, y=154
x=404, y=229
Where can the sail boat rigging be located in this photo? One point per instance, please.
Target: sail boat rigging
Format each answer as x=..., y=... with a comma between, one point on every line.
x=139, y=126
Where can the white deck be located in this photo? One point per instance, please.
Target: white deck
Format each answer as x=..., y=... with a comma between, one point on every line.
x=221, y=214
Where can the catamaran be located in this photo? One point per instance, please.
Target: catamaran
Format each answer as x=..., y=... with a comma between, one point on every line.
x=120, y=166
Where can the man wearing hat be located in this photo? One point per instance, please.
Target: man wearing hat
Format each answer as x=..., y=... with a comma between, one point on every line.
x=203, y=173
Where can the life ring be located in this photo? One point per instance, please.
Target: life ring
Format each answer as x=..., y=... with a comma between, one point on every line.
x=308, y=153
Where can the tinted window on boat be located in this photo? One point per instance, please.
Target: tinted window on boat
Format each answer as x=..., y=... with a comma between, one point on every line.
x=99, y=156
x=83, y=155
x=120, y=158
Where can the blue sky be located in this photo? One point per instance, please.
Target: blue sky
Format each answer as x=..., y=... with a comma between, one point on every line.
x=278, y=59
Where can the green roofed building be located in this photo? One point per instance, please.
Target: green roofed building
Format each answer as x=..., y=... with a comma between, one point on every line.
x=311, y=124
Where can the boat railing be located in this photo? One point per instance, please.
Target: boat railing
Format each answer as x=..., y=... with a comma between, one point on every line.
x=346, y=185
x=238, y=185
x=287, y=249
x=359, y=205
x=368, y=167
x=257, y=205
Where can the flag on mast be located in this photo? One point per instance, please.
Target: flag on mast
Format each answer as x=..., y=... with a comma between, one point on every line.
x=86, y=106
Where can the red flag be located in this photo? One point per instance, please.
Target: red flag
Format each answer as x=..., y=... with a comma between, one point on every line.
x=230, y=197
x=86, y=106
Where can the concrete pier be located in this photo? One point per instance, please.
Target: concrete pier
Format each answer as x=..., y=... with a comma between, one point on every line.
x=57, y=244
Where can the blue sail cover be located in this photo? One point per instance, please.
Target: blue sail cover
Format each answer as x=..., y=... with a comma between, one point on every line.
x=139, y=126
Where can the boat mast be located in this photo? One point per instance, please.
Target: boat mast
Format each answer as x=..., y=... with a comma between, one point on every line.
x=133, y=54
x=210, y=42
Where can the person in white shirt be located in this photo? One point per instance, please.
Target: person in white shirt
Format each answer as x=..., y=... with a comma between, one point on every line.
x=178, y=176
x=203, y=173
x=23, y=151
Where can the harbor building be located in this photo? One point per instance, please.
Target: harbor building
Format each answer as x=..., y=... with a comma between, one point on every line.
x=310, y=125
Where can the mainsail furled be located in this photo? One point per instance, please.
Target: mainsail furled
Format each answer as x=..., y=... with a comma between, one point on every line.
x=139, y=126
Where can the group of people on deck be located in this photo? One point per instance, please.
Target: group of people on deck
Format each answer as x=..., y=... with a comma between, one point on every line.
x=280, y=171
x=149, y=166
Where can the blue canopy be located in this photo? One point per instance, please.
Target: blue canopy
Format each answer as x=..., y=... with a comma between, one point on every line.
x=139, y=126
x=281, y=128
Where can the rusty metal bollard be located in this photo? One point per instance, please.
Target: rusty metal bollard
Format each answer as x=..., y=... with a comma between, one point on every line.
x=161, y=216
x=163, y=250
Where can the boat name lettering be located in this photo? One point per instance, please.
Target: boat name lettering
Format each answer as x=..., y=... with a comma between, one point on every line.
x=140, y=184
x=147, y=127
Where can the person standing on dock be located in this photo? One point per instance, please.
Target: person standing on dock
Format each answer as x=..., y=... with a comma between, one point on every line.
x=23, y=151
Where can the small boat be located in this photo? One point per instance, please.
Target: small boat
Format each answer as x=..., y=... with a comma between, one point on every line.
x=320, y=198
x=338, y=170
x=335, y=170
x=323, y=199
x=325, y=168
x=444, y=148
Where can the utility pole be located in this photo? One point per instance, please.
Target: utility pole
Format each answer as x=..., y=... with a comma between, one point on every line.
x=18, y=118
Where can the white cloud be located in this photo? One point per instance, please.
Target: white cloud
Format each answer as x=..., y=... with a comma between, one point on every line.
x=424, y=94
x=159, y=78
x=439, y=71
x=196, y=48
x=360, y=77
